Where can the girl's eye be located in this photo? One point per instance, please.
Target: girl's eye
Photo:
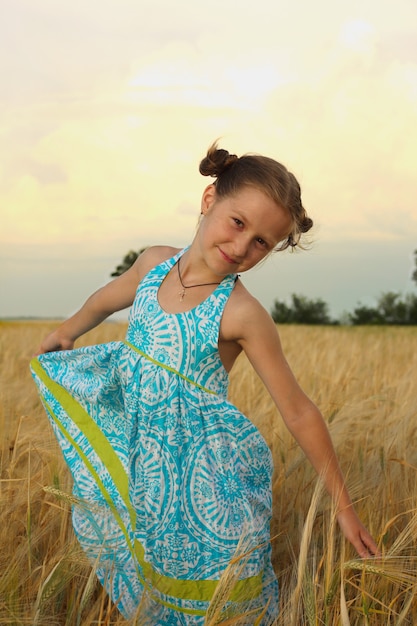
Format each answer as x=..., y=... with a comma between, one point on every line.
x=262, y=242
x=237, y=221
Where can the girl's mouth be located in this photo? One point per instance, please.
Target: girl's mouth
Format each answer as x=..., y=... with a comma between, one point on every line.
x=226, y=257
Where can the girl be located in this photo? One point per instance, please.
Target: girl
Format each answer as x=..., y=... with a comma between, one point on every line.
x=173, y=481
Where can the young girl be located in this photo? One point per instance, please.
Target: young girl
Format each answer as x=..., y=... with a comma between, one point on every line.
x=172, y=480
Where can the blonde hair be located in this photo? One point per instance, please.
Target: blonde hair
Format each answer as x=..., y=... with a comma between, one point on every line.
x=232, y=173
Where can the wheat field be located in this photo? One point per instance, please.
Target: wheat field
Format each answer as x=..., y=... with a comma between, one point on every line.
x=364, y=381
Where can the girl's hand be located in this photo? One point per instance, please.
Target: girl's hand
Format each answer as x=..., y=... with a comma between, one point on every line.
x=53, y=343
x=357, y=534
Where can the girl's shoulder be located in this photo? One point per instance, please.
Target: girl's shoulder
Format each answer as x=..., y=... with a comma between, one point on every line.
x=153, y=256
x=243, y=300
x=243, y=312
x=158, y=254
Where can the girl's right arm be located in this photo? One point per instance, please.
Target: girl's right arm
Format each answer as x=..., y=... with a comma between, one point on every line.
x=115, y=296
x=256, y=333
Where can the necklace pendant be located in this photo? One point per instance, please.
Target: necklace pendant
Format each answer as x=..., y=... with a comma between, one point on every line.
x=182, y=295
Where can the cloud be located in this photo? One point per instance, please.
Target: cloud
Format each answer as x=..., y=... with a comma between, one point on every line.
x=180, y=73
x=43, y=173
x=358, y=35
x=109, y=113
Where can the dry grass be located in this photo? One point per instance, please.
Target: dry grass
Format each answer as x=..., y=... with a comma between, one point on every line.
x=364, y=381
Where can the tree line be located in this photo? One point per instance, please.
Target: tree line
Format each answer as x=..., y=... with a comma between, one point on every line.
x=390, y=308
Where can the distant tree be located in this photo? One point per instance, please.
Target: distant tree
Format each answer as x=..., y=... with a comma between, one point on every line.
x=302, y=310
x=393, y=310
x=281, y=313
x=127, y=262
x=365, y=315
x=411, y=303
x=414, y=274
x=390, y=309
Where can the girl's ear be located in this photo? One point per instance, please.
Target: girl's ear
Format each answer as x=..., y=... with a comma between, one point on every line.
x=208, y=198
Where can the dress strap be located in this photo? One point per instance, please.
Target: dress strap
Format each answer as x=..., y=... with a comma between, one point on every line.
x=173, y=260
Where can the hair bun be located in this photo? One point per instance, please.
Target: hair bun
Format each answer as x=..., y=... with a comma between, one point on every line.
x=217, y=161
x=306, y=224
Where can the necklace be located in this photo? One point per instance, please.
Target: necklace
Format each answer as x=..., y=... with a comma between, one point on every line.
x=184, y=287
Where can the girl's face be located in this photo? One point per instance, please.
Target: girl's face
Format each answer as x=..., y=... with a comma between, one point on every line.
x=238, y=231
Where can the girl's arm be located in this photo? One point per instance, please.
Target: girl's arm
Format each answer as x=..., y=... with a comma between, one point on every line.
x=260, y=341
x=115, y=296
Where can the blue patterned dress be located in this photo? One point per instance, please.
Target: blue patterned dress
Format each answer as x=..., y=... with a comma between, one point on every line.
x=173, y=483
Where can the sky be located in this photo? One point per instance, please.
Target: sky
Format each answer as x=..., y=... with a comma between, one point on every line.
x=107, y=107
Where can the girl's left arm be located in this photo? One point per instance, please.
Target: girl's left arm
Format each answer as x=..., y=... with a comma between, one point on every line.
x=260, y=341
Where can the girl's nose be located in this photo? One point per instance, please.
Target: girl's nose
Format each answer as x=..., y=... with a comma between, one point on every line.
x=240, y=247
